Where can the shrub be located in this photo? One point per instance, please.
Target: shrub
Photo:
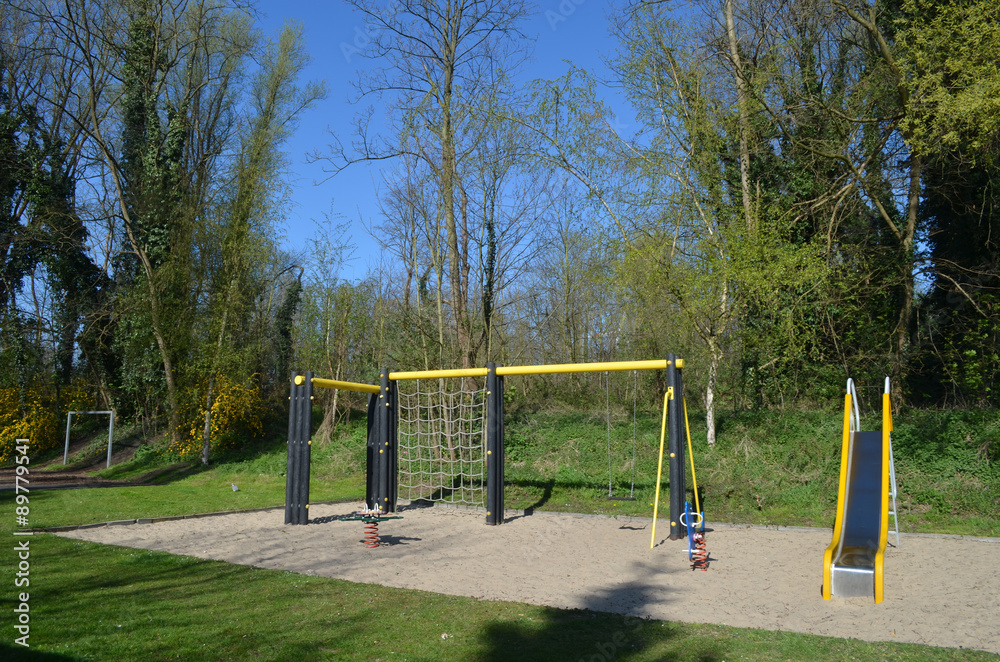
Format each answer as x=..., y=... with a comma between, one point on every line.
x=238, y=412
x=39, y=418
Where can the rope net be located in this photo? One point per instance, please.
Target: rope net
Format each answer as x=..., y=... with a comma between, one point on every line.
x=442, y=441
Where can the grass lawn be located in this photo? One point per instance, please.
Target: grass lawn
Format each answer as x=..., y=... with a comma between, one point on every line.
x=95, y=602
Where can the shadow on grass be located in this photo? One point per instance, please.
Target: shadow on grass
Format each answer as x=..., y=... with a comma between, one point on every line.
x=594, y=634
x=18, y=653
x=545, y=485
x=98, y=600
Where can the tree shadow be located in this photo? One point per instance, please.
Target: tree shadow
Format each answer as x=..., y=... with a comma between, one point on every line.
x=461, y=486
x=19, y=653
x=610, y=626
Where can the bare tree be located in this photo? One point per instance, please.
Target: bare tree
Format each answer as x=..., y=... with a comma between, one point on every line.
x=438, y=59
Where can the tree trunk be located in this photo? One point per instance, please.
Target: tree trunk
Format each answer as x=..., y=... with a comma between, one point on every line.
x=449, y=168
x=906, y=305
x=464, y=334
x=713, y=378
x=206, y=440
x=207, y=437
x=168, y=365
x=744, y=115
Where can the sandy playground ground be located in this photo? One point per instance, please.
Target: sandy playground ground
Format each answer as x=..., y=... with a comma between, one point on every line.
x=939, y=590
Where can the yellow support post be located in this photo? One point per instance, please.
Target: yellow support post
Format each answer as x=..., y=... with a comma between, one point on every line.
x=659, y=466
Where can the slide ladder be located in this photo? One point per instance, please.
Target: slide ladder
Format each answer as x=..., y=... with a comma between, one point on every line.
x=853, y=563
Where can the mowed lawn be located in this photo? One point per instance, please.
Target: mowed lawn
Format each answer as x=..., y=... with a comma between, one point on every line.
x=96, y=602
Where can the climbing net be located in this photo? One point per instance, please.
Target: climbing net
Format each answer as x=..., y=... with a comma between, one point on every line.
x=442, y=441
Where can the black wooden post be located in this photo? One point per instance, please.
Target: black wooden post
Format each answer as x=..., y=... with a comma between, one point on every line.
x=371, y=452
x=382, y=460
x=675, y=408
x=494, y=446
x=299, y=447
x=390, y=445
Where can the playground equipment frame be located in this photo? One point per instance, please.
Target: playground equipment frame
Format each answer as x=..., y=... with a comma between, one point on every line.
x=381, y=481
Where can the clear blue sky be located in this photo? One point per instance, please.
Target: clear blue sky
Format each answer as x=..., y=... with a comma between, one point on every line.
x=574, y=30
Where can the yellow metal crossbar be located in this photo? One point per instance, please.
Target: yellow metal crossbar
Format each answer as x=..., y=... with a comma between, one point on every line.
x=436, y=374
x=334, y=383
x=610, y=366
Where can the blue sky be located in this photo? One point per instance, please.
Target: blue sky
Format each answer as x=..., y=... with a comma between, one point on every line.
x=574, y=30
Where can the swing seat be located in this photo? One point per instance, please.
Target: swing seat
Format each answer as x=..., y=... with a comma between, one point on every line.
x=618, y=498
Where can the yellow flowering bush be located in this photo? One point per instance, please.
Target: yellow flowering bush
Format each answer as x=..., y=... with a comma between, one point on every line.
x=41, y=421
x=238, y=412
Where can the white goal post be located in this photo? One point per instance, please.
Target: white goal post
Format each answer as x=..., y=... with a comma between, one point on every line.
x=111, y=432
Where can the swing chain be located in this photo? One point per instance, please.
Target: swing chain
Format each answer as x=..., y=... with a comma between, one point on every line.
x=607, y=405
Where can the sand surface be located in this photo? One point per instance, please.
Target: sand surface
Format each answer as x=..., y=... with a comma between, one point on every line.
x=943, y=591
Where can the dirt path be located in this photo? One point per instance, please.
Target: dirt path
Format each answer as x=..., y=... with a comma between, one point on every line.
x=53, y=475
x=939, y=590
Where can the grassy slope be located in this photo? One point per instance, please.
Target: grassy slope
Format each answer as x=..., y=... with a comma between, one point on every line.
x=766, y=468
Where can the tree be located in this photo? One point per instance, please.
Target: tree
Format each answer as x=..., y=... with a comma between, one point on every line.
x=947, y=55
x=438, y=58
x=246, y=215
x=714, y=242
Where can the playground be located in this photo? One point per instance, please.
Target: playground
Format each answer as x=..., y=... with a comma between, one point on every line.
x=939, y=590
x=448, y=448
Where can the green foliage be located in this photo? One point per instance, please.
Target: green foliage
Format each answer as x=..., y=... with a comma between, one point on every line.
x=948, y=443
x=37, y=414
x=948, y=53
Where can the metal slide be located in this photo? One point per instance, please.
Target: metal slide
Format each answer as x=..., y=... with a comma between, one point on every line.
x=852, y=564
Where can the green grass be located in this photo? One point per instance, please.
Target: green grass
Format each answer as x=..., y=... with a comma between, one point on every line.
x=94, y=602
x=205, y=492
x=186, y=488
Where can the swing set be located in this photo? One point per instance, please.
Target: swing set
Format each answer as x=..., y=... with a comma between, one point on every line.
x=482, y=464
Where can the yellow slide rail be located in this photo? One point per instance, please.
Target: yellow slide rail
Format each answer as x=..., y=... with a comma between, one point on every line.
x=841, y=491
x=883, y=536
